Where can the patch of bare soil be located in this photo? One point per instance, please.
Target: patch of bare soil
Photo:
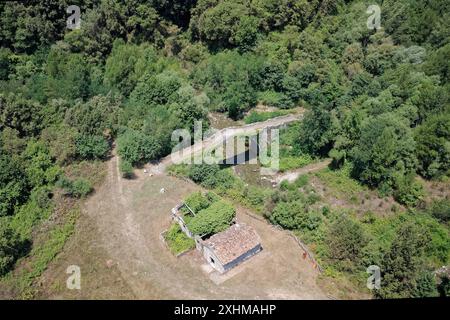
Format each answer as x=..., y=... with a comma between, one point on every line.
x=220, y=120
x=360, y=202
x=292, y=175
x=436, y=189
x=118, y=248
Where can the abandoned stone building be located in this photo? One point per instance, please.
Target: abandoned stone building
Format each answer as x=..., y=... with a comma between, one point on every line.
x=226, y=249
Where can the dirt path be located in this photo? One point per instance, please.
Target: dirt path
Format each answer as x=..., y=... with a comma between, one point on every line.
x=294, y=174
x=128, y=217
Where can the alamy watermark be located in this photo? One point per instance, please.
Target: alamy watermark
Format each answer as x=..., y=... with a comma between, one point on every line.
x=74, y=20
x=73, y=282
x=374, y=280
x=374, y=20
x=228, y=146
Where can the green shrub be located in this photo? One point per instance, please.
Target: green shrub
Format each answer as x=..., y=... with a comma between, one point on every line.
x=204, y=174
x=216, y=218
x=77, y=188
x=80, y=188
x=27, y=216
x=13, y=189
x=402, y=263
x=346, y=239
x=301, y=181
x=409, y=192
x=126, y=169
x=440, y=209
x=285, y=185
x=177, y=240
x=197, y=201
x=432, y=145
x=294, y=215
x=326, y=210
x=160, y=88
x=312, y=198
x=42, y=196
x=136, y=147
x=426, y=286
x=180, y=170
x=10, y=247
x=275, y=99
x=91, y=147
x=256, y=196
x=288, y=162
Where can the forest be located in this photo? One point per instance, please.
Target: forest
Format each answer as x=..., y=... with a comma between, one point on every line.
x=377, y=101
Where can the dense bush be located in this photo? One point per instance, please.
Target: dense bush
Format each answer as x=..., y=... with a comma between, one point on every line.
x=75, y=188
x=177, y=240
x=384, y=151
x=197, y=201
x=21, y=114
x=203, y=172
x=215, y=218
x=91, y=147
x=346, y=239
x=440, y=209
x=126, y=169
x=156, y=89
x=409, y=191
x=401, y=264
x=61, y=142
x=226, y=79
x=13, y=189
x=433, y=151
x=294, y=215
x=97, y=117
x=137, y=147
x=10, y=247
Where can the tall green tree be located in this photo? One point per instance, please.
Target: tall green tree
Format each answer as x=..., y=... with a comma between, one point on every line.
x=385, y=149
x=402, y=263
x=13, y=186
x=346, y=240
x=10, y=247
x=433, y=146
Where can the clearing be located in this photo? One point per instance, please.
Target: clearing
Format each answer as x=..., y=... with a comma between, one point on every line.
x=118, y=248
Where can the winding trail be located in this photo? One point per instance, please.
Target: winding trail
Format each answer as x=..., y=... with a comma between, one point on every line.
x=290, y=176
x=130, y=216
x=123, y=222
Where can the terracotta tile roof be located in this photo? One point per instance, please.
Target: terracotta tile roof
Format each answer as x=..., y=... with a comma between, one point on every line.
x=233, y=242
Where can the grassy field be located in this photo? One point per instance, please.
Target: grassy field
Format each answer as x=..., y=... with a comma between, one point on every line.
x=49, y=230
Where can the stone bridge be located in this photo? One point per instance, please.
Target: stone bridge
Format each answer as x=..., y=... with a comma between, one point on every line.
x=218, y=138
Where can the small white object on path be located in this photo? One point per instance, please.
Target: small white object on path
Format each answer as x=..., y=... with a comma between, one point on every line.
x=162, y=190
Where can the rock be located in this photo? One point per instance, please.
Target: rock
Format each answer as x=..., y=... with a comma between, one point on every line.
x=162, y=190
